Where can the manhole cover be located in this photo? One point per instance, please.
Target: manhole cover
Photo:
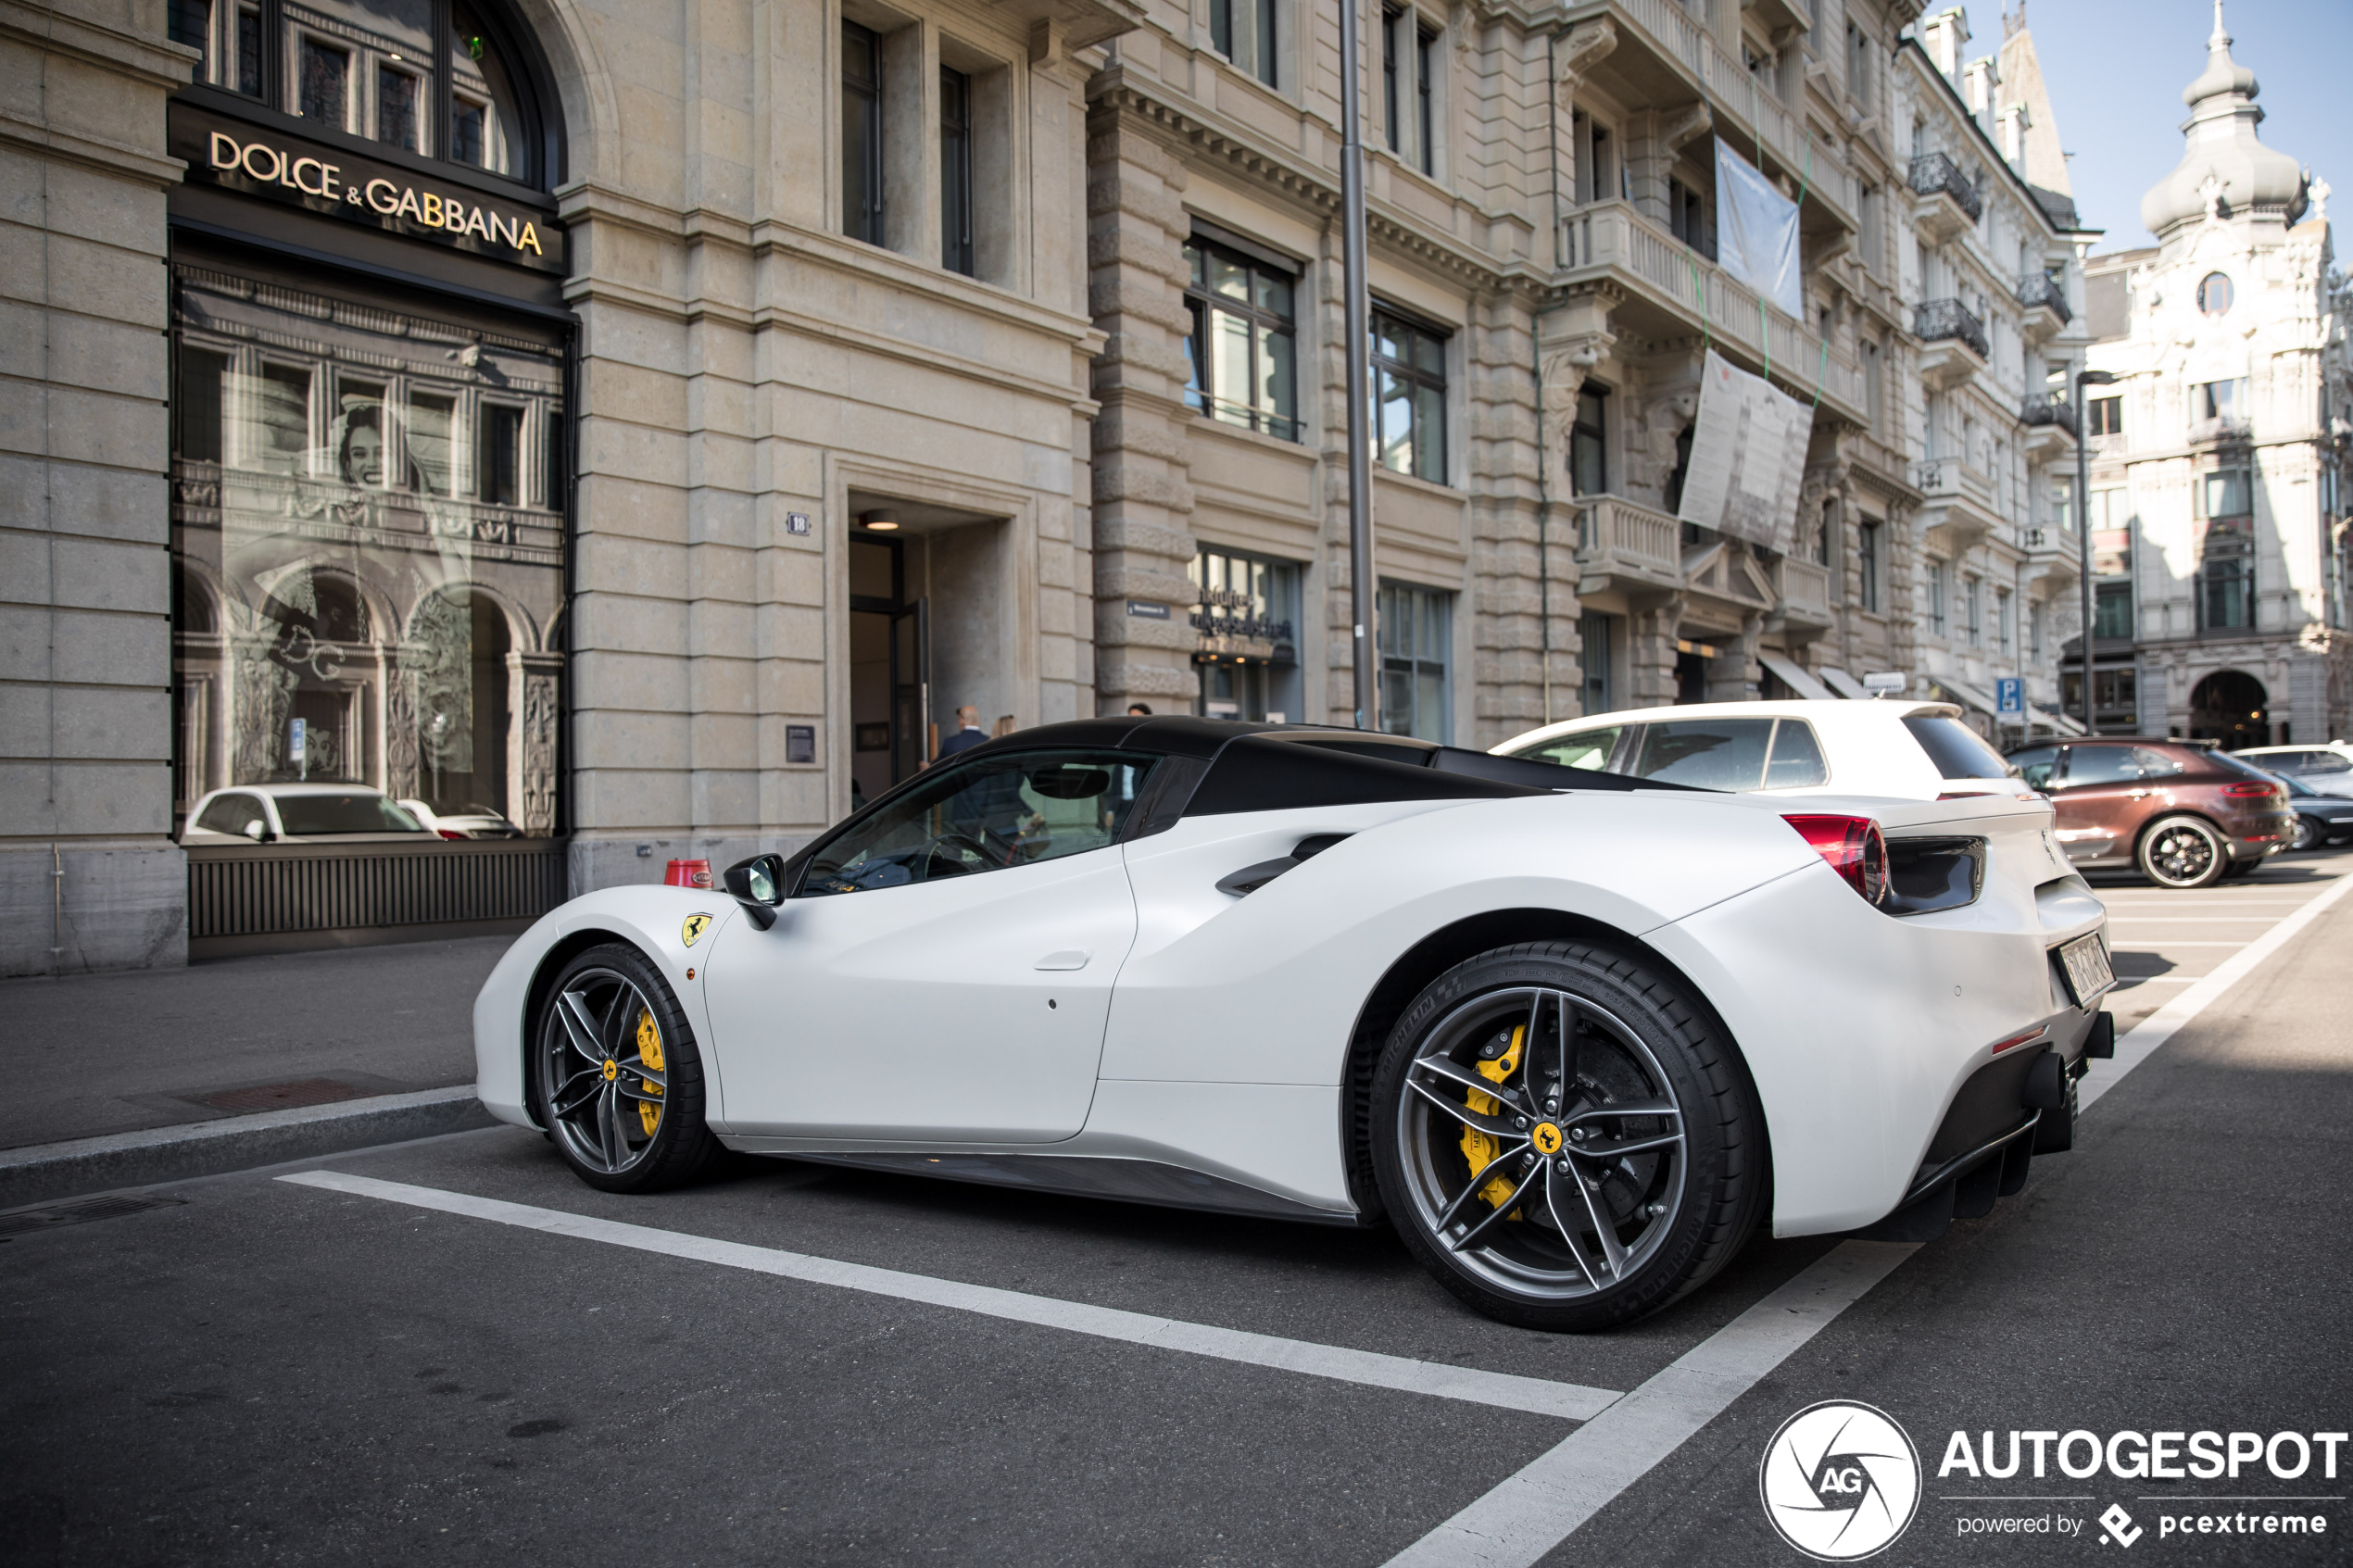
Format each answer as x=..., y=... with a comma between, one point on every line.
x=51, y=1215
x=281, y=1096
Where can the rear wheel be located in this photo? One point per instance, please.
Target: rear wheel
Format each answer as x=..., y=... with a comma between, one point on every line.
x=2184, y=852
x=2309, y=834
x=616, y=1079
x=1564, y=1140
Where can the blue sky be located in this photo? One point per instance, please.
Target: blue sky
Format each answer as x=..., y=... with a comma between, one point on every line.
x=2116, y=70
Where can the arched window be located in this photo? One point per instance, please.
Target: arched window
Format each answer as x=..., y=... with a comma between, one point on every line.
x=442, y=79
x=2214, y=295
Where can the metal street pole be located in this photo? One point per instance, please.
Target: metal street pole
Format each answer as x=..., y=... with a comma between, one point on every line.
x=1359, y=330
x=2083, y=523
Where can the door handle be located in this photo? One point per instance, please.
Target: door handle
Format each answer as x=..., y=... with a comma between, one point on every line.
x=1068, y=958
x=2139, y=794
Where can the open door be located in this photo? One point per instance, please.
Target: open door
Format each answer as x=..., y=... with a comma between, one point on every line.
x=910, y=690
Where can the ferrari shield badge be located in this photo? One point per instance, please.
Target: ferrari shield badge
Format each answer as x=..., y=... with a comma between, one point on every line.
x=691, y=932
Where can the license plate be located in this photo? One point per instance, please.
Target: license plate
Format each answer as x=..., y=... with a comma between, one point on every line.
x=2088, y=974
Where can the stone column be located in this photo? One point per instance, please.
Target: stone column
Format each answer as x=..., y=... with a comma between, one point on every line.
x=1650, y=653
x=1143, y=498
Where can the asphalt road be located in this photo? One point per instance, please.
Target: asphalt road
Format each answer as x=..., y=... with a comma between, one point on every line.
x=262, y=1371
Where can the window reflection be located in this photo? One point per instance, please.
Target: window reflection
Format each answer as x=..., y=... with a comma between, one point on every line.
x=363, y=552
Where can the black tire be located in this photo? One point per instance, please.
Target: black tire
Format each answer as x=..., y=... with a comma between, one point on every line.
x=2240, y=868
x=2182, y=853
x=2309, y=832
x=640, y=1127
x=1679, y=1206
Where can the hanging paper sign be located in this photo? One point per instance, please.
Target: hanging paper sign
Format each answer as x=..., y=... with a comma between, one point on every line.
x=1748, y=458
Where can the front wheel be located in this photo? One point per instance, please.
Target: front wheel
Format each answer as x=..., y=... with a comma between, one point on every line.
x=616, y=1079
x=1564, y=1140
x=2308, y=833
x=2184, y=852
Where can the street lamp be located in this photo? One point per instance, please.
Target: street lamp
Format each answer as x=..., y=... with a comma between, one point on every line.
x=2083, y=523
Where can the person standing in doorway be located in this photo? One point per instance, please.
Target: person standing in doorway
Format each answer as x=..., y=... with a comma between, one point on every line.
x=966, y=738
x=1139, y=710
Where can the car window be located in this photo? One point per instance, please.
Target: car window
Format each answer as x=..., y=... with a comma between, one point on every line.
x=2034, y=765
x=1796, y=761
x=1588, y=750
x=1708, y=753
x=1956, y=750
x=2100, y=765
x=308, y=816
x=1008, y=809
x=230, y=813
x=2323, y=762
x=2156, y=764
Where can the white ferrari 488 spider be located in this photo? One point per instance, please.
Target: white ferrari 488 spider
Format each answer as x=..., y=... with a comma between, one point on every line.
x=1571, y=1034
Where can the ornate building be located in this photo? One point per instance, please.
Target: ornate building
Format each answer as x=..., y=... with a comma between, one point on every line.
x=2220, y=455
x=1989, y=267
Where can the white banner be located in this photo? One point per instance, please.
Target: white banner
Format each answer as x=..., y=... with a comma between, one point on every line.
x=1756, y=232
x=1748, y=458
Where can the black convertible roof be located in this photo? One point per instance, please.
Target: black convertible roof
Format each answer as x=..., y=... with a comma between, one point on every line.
x=1229, y=765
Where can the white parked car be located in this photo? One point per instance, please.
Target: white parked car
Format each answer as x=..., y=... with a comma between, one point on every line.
x=1904, y=750
x=1572, y=1035
x=299, y=813
x=470, y=821
x=2327, y=768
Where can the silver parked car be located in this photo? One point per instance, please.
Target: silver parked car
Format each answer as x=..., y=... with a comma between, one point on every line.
x=2327, y=770
x=300, y=813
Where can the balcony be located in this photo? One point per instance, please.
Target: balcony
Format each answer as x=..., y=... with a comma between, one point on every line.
x=1953, y=345
x=2047, y=309
x=1624, y=546
x=1744, y=111
x=1956, y=503
x=1802, y=589
x=1673, y=292
x=1944, y=205
x=2050, y=424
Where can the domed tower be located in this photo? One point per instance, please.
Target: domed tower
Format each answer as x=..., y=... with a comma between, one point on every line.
x=2225, y=171
x=2219, y=484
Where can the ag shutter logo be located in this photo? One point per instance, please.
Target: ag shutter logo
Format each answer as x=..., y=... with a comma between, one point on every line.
x=1840, y=1481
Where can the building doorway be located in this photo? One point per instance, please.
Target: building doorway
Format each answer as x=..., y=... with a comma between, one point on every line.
x=2230, y=706
x=889, y=668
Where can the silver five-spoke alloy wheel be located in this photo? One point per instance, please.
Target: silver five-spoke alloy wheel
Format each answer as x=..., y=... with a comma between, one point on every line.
x=603, y=1061
x=1543, y=1143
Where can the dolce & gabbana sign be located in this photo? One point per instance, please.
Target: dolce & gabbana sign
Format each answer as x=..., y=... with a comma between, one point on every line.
x=331, y=181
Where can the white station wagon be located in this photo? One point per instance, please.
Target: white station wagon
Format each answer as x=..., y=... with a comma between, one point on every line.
x=1904, y=750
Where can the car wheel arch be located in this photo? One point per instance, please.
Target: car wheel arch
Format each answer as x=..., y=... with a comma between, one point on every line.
x=559, y=952
x=1411, y=973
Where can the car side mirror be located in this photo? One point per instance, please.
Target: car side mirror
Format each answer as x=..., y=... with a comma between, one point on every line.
x=257, y=831
x=759, y=886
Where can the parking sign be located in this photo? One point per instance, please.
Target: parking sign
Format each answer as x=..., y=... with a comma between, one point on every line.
x=2009, y=697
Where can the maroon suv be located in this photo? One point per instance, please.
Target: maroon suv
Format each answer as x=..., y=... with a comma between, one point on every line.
x=2184, y=815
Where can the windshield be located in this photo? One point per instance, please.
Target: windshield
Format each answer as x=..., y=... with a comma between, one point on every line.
x=1955, y=749
x=2239, y=765
x=310, y=816
x=997, y=811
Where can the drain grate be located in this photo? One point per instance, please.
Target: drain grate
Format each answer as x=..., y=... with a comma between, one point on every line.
x=282, y=1096
x=49, y=1216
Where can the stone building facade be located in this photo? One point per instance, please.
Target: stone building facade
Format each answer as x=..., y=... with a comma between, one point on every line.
x=2221, y=454
x=1991, y=267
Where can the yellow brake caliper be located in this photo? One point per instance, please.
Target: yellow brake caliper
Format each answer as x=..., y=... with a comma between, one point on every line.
x=648, y=1051
x=1478, y=1147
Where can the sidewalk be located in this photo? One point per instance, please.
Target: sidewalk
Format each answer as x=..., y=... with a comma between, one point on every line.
x=291, y=1049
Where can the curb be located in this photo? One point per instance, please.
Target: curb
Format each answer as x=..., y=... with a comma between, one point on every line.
x=43, y=1173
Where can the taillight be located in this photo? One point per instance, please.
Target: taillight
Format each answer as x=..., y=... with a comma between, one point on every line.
x=1854, y=848
x=2253, y=791
x=450, y=832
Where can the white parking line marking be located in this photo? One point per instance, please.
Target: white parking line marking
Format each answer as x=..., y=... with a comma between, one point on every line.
x=1529, y=1514
x=2135, y=1048
x=1534, y=1395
